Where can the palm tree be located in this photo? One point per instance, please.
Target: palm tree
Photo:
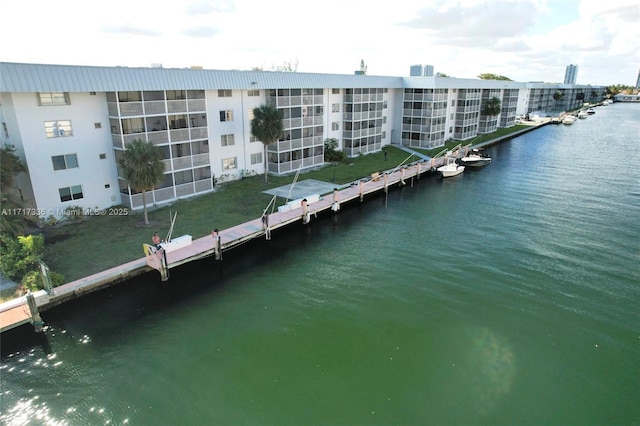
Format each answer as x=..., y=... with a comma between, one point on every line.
x=558, y=96
x=266, y=125
x=143, y=168
x=492, y=107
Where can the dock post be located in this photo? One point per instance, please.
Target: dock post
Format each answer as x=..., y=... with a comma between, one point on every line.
x=164, y=267
x=402, y=182
x=386, y=183
x=361, y=188
x=35, y=315
x=305, y=211
x=418, y=171
x=335, y=207
x=217, y=246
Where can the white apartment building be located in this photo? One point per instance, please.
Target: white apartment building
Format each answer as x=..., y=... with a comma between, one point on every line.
x=71, y=124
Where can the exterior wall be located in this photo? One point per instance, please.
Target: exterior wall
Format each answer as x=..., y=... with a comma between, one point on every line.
x=95, y=175
x=363, y=113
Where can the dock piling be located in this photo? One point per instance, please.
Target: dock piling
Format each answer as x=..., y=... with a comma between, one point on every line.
x=35, y=315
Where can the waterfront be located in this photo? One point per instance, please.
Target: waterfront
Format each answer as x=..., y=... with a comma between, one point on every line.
x=507, y=295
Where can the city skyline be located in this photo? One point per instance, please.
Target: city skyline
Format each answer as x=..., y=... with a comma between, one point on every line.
x=529, y=40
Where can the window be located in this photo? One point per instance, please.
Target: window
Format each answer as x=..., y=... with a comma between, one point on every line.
x=335, y=91
x=229, y=163
x=224, y=93
x=103, y=156
x=384, y=119
x=5, y=130
x=227, y=140
x=130, y=96
x=253, y=139
x=256, y=158
x=335, y=107
x=71, y=193
x=226, y=115
x=97, y=125
x=58, y=129
x=62, y=162
x=384, y=104
x=53, y=98
x=253, y=93
x=183, y=177
x=335, y=125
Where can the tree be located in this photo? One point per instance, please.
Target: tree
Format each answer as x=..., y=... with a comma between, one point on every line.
x=20, y=261
x=558, y=96
x=143, y=168
x=441, y=74
x=331, y=152
x=492, y=107
x=287, y=66
x=266, y=125
x=489, y=76
x=580, y=96
x=10, y=166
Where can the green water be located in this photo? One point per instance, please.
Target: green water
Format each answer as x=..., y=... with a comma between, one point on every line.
x=505, y=296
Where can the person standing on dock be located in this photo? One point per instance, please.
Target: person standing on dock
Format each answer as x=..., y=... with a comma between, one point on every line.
x=156, y=240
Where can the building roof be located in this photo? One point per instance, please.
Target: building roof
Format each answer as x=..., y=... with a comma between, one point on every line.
x=19, y=77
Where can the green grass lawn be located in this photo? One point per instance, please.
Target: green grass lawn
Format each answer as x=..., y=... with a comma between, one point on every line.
x=91, y=245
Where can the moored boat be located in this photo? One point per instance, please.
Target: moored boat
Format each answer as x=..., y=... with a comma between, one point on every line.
x=583, y=114
x=450, y=168
x=591, y=111
x=568, y=119
x=475, y=158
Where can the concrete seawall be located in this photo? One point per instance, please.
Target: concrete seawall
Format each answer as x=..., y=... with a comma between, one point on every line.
x=15, y=312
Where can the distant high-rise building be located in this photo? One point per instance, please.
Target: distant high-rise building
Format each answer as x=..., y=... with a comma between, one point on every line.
x=421, y=71
x=428, y=71
x=416, y=70
x=570, y=74
x=638, y=81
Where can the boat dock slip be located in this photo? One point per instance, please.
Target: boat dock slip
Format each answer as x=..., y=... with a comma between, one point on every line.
x=16, y=312
x=184, y=249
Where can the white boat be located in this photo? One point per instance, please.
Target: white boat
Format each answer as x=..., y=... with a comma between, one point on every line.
x=450, y=168
x=568, y=119
x=591, y=111
x=475, y=158
x=583, y=114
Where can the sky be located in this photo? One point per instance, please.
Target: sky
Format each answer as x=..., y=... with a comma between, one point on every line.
x=525, y=40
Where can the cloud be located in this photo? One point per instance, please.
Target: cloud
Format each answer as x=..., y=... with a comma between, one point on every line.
x=476, y=24
x=129, y=29
x=202, y=31
x=205, y=7
x=629, y=13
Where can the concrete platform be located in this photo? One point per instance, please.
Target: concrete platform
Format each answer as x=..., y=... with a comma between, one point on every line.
x=302, y=189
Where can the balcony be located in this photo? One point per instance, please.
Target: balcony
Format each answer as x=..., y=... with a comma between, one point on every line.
x=128, y=109
x=154, y=107
x=177, y=106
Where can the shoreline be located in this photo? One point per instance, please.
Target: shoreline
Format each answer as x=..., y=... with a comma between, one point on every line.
x=15, y=313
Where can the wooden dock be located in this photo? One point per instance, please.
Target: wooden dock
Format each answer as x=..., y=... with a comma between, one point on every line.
x=16, y=312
